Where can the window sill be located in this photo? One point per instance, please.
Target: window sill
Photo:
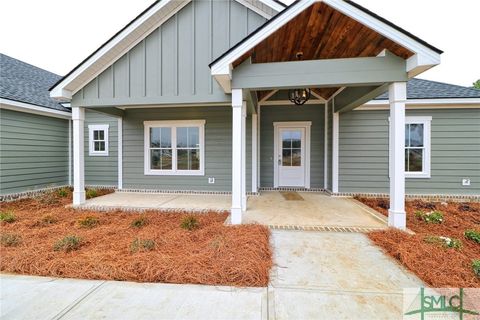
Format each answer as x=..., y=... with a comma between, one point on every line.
x=98, y=154
x=172, y=173
x=419, y=175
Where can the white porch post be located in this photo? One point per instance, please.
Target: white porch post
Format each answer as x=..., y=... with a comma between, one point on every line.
x=397, y=96
x=78, y=117
x=238, y=156
x=254, y=152
x=335, y=147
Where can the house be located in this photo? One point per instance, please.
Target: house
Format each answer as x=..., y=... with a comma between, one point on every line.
x=239, y=96
x=35, y=134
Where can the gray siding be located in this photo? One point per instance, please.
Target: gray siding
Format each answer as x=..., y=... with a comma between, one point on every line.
x=33, y=152
x=455, y=152
x=218, y=149
x=102, y=170
x=171, y=64
x=271, y=114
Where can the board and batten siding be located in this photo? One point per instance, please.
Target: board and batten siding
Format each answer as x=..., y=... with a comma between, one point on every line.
x=455, y=152
x=102, y=170
x=170, y=66
x=271, y=114
x=218, y=149
x=33, y=152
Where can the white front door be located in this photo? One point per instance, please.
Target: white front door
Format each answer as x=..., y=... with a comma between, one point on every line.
x=291, y=156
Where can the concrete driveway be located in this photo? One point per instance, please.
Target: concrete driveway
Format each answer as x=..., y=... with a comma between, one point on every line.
x=318, y=275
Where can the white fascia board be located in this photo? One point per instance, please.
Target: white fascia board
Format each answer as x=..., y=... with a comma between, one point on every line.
x=61, y=93
x=447, y=101
x=225, y=64
x=31, y=108
x=266, y=15
x=274, y=5
x=424, y=56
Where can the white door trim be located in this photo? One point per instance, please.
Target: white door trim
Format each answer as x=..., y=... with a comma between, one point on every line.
x=292, y=124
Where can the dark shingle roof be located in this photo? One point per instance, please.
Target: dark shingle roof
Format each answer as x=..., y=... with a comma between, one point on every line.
x=426, y=89
x=23, y=82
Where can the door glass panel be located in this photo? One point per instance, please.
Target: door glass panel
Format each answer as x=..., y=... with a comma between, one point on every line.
x=291, y=148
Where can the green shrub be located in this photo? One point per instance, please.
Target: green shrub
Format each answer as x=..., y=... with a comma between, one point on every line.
x=7, y=216
x=189, y=223
x=142, y=245
x=68, y=243
x=430, y=217
x=139, y=222
x=476, y=267
x=10, y=239
x=88, y=222
x=473, y=235
x=91, y=193
x=63, y=192
x=446, y=242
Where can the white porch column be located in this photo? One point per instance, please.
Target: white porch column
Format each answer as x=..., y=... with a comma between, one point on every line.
x=335, y=146
x=397, y=96
x=78, y=117
x=254, y=152
x=238, y=156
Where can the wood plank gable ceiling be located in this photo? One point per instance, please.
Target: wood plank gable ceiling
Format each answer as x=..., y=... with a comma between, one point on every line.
x=321, y=32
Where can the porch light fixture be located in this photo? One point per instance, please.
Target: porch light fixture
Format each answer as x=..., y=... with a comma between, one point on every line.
x=299, y=96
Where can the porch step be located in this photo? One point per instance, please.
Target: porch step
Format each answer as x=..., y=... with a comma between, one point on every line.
x=325, y=228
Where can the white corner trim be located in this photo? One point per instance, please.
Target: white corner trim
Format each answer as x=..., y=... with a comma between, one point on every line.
x=292, y=124
x=70, y=152
x=254, y=152
x=114, y=48
x=120, y=152
x=34, y=109
x=91, y=147
x=335, y=134
x=173, y=124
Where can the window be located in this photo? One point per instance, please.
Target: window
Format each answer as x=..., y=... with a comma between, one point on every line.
x=174, y=147
x=417, y=147
x=98, y=140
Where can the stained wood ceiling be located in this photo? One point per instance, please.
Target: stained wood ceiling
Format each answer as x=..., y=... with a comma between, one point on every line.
x=320, y=32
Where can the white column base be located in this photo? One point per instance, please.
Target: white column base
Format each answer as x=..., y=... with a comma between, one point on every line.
x=236, y=216
x=79, y=198
x=397, y=219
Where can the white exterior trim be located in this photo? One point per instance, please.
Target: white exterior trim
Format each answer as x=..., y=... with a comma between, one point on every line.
x=292, y=124
x=120, y=152
x=78, y=118
x=173, y=124
x=254, y=152
x=272, y=4
x=397, y=97
x=91, y=147
x=452, y=103
x=239, y=108
x=325, y=149
x=335, y=134
x=34, y=109
x=287, y=102
x=424, y=57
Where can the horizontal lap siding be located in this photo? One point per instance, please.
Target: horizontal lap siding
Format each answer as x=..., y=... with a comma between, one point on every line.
x=455, y=152
x=271, y=114
x=102, y=170
x=218, y=150
x=33, y=152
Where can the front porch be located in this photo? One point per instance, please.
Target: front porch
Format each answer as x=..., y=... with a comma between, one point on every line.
x=276, y=209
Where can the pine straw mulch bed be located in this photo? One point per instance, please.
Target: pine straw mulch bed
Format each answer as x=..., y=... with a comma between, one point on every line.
x=112, y=249
x=434, y=264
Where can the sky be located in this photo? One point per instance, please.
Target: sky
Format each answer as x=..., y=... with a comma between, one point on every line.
x=56, y=35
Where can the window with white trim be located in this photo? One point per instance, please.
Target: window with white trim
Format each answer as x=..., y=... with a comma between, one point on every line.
x=174, y=147
x=98, y=139
x=417, y=147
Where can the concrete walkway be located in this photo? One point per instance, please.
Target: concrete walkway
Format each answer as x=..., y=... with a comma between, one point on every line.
x=318, y=275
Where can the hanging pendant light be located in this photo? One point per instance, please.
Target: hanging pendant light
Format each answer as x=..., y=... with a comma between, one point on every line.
x=301, y=95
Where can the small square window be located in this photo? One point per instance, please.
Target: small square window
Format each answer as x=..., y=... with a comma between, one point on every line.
x=98, y=140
